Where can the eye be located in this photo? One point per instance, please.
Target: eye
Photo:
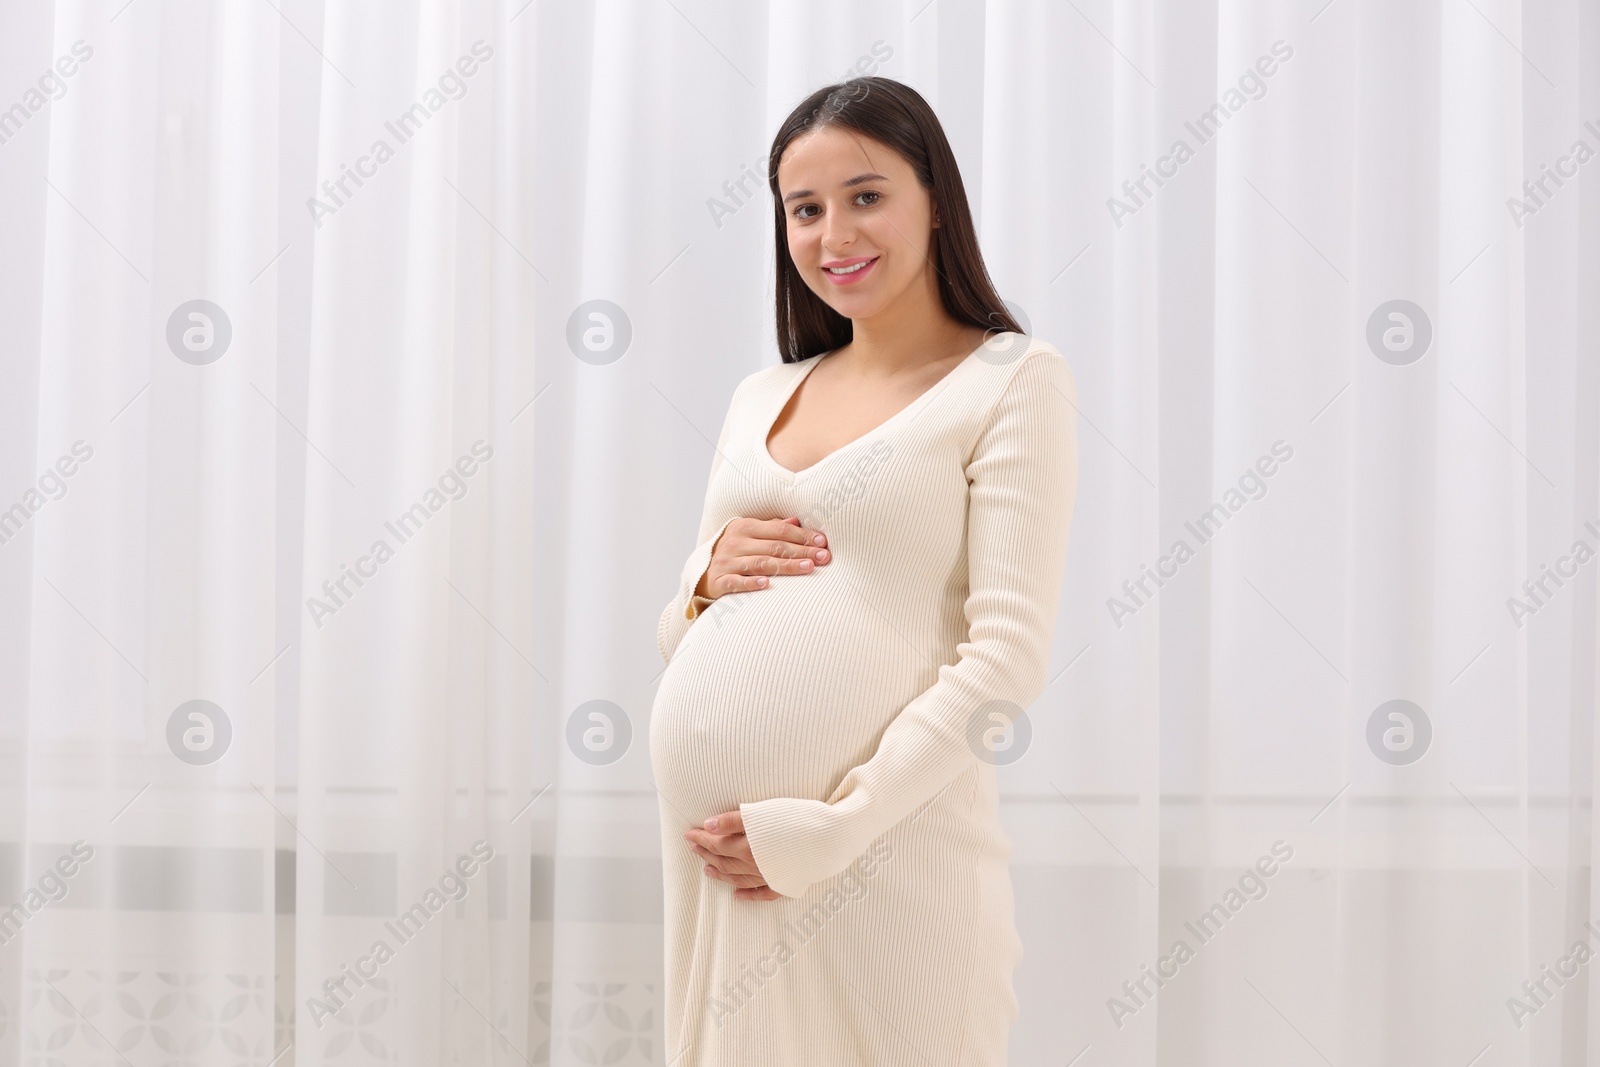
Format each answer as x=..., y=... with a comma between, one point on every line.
x=876, y=196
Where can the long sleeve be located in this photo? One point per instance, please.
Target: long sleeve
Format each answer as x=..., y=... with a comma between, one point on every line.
x=1022, y=476
x=685, y=606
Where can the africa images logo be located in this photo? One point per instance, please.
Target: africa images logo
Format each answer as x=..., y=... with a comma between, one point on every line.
x=453, y=485
x=451, y=85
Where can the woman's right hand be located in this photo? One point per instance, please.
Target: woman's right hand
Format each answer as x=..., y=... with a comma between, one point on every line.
x=751, y=549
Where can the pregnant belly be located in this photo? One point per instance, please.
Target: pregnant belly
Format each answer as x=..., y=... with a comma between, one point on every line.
x=779, y=692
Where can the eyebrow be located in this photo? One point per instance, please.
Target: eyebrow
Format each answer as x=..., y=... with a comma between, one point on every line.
x=857, y=180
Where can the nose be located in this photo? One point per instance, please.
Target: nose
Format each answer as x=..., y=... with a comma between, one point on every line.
x=838, y=234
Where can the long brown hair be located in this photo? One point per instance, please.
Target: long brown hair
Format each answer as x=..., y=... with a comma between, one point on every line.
x=896, y=115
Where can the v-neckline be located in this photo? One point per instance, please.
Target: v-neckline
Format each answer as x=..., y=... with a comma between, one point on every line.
x=794, y=386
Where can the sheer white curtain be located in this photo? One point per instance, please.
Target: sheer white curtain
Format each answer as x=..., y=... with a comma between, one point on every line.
x=304, y=499
x=341, y=487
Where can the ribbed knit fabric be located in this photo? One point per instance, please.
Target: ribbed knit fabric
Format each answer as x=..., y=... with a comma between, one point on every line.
x=842, y=713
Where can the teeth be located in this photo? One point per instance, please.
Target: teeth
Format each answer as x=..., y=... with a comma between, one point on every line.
x=849, y=270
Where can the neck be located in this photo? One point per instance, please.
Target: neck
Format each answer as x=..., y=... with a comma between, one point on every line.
x=912, y=332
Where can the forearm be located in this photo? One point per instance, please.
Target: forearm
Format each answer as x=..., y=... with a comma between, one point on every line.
x=797, y=842
x=686, y=604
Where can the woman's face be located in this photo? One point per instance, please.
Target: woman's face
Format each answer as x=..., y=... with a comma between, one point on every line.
x=851, y=200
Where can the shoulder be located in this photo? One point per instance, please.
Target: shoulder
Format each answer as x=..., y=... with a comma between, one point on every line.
x=1015, y=368
x=1024, y=400
x=770, y=379
x=776, y=373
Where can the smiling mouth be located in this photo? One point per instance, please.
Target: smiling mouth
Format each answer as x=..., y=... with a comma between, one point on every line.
x=853, y=274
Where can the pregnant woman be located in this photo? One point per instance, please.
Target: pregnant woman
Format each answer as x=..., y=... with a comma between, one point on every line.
x=870, y=605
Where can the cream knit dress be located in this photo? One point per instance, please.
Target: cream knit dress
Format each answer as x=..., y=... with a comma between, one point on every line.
x=848, y=715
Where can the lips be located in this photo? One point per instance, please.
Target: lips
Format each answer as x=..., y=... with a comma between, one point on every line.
x=853, y=276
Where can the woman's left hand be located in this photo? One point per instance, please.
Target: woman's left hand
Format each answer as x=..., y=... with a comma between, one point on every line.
x=726, y=850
